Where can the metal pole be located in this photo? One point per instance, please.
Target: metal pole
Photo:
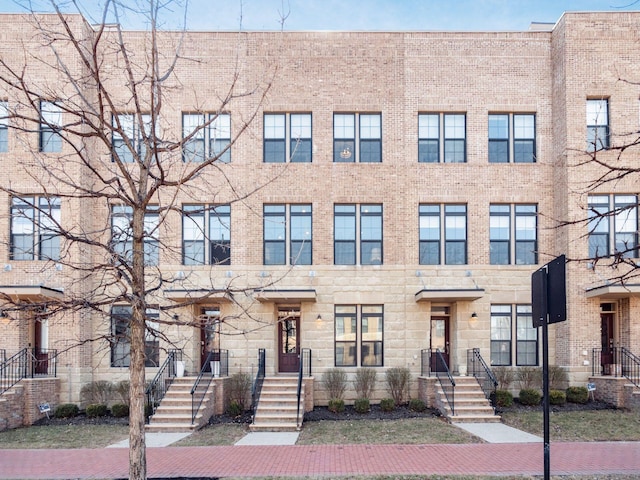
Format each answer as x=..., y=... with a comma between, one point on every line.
x=545, y=393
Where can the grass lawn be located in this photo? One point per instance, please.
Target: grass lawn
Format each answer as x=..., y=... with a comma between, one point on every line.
x=63, y=436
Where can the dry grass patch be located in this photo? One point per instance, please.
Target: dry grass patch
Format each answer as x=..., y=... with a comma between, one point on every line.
x=64, y=436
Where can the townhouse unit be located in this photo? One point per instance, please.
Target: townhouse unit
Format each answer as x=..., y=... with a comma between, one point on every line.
x=390, y=197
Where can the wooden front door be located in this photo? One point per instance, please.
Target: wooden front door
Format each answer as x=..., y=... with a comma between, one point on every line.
x=288, y=340
x=607, y=342
x=439, y=342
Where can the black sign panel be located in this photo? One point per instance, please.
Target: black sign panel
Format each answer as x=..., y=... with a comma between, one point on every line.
x=549, y=293
x=539, y=297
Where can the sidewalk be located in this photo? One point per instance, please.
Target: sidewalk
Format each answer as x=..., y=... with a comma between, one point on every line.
x=606, y=458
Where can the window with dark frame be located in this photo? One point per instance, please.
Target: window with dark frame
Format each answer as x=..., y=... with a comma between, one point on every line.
x=359, y=335
x=128, y=129
x=428, y=138
x=35, y=228
x=209, y=135
x=526, y=234
x=4, y=127
x=617, y=214
x=455, y=138
x=455, y=234
x=287, y=137
x=50, y=125
x=526, y=336
x=121, y=337
x=523, y=218
x=442, y=138
x=293, y=246
x=122, y=234
x=206, y=234
x=512, y=138
x=357, y=234
x=429, y=234
x=598, y=134
x=361, y=129
x=500, y=234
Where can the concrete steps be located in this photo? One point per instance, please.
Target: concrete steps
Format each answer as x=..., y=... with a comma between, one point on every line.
x=470, y=403
x=174, y=412
x=278, y=406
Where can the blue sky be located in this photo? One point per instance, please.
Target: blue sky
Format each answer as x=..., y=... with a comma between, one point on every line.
x=391, y=15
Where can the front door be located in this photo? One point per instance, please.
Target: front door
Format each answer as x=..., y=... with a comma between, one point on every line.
x=209, y=337
x=40, y=344
x=439, y=342
x=288, y=340
x=607, y=342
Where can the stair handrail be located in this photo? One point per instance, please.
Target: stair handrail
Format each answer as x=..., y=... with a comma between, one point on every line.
x=477, y=367
x=197, y=391
x=630, y=366
x=257, y=383
x=27, y=363
x=446, y=380
x=158, y=387
x=305, y=367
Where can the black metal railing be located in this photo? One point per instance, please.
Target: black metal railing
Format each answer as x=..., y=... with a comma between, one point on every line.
x=158, y=387
x=215, y=365
x=616, y=362
x=303, y=371
x=259, y=380
x=448, y=384
x=27, y=363
x=477, y=367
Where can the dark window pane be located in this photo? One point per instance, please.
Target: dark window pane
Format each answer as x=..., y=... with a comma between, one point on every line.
x=371, y=253
x=454, y=151
x=524, y=151
x=500, y=352
x=526, y=253
x=345, y=253
x=193, y=252
x=455, y=253
x=429, y=253
x=370, y=151
x=344, y=151
x=428, y=151
x=498, y=151
x=274, y=253
x=301, y=151
x=193, y=150
x=274, y=151
x=300, y=253
x=499, y=252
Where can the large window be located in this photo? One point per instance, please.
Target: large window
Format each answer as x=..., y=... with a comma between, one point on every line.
x=122, y=235
x=524, y=246
x=526, y=336
x=128, y=136
x=206, y=235
x=512, y=137
x=35, y=227
x=50, y=124
x=292, y=246
x=597, y=124
x=287, y=137
x=121, y=339
x=617, y=214
x=359, y=335
x=452, y=246
x=357, y=231
x=4, y=127
x=363, y=130
x=448, y=127
x=206, y=136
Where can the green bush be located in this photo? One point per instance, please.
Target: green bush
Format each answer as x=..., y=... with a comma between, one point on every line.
x=529, y=396
x=238, y=390
x=336, y=405
x=120, y=410
x=503, y=398
x=66, y=410
x=234, y=409
x=529, y=378
x=397, y=383
x=365, y=382
x=97, y=410
x=335, y=382
x=387, y=405
x=557, y=397
x=577, y=395
x=504, y=377
x=417, y=405
x=362, y=405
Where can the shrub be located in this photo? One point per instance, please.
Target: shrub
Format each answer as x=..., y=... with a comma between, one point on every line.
x=530, y=396
x=397, y=383
x=120, y=410
x=238, y=390
x=503, y=398
x=97, y=410
x=335, y=382
x=122, y=390
x=234, y=409
x=97, y=392
x=557, y=397
x=66, y=410
x=417, y=405
x=365, y=382
x=577, y=395
x=336, y=405
x=529, y=377
x=362, y=405
x=387, y=405
x=558, y=378
x=504, y=376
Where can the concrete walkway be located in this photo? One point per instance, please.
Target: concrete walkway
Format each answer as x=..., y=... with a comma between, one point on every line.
x=498, y=433
x=155, y=439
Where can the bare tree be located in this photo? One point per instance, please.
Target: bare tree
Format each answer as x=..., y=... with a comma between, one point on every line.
x=96, y=97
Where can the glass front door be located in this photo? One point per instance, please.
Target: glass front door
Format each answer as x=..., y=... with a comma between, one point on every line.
x=288, y=340
x=439, y=343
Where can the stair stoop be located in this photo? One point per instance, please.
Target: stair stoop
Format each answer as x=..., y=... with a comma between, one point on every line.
x=277, y=407
x=471, y=405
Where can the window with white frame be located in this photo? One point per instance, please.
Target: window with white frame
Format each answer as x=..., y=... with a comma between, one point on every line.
x=617, y=214
x=361, y=130
x=206, y=235
x=50, y=125
x=526, y=336
x=121, y=337
x=443, y=234
x=122, y=235
x=598, y=134
x=292, y=245
x=359, y=331
x=357, y=231
x=129, y=131
x=35, y=228
x=521, y=239
x=287, y=137
x=512, y=138
x=206, y=135
x=4, y=126
x=442, y=138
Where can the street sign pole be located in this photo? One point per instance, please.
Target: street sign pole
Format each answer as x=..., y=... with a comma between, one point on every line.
x=545, y=399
